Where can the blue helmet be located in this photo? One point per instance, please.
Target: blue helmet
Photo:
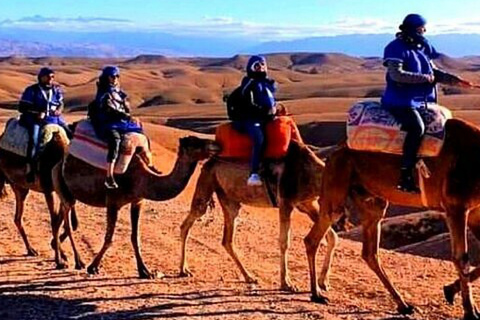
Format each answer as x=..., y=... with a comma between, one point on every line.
x=45, y=71
x=412, y=22
x=252, y=61
x=110, y=71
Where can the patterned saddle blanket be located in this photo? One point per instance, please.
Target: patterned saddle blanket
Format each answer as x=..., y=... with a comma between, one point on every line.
x=87, y=147
x=371, y=127
x=15, y=137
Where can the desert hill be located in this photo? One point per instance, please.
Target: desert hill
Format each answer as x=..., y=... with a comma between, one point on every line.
x=180, y=96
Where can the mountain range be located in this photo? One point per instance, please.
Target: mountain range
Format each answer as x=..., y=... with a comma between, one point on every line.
x=23, y=42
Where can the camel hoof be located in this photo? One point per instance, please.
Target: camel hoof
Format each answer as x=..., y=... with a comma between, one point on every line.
x=185, y=273
x=32, y=252
x=449, y=294
x=251, y=280
x=289, y=287
x=79, y=265
x=324, y=286
x=145, y=274
x=92, y=270
x=320, y=299
x=61, y=265
x=406, y=310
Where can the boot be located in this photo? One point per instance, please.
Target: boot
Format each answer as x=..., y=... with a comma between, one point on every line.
x=407, y=181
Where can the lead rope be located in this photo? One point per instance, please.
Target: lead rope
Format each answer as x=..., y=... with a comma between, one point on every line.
x=423, y=173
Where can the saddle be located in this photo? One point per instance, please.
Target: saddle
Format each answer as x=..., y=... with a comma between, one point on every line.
x=15, y=137
x=87, y=147
x=370, y=127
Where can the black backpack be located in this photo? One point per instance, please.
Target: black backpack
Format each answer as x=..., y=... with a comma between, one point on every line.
x=237, y=104
x=92, y=109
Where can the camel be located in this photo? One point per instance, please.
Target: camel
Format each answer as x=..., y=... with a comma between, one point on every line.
x=298, y=187
x=13, y=172
x=452, y=187
x=75, y=179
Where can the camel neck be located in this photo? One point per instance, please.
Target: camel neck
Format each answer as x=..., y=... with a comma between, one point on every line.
x=160, y=188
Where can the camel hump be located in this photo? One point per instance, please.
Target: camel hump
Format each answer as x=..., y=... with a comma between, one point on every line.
x=371, y=127
x=87, y=147
x=236, y=145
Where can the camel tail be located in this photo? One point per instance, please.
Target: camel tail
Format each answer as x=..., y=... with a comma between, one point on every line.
x=74, y=218
x=3, y=185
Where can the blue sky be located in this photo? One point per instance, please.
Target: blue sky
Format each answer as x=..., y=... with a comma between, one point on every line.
x=265, y=20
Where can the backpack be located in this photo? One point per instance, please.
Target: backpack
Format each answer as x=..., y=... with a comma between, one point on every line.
x=237, y=104
x=92, y=109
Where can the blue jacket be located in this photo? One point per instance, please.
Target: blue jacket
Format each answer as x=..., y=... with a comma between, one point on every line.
x=414, y=59
x=260, y=94
x=36, y=99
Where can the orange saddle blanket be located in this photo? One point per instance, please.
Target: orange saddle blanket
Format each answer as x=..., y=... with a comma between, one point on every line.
x=238, y=145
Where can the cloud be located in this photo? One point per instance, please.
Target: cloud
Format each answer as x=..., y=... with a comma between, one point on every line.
x=227, y=27
x=67, y=24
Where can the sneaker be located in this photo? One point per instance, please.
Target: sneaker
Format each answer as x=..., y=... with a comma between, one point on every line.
x=254, y=180
x=407, y=182
x=110, y=183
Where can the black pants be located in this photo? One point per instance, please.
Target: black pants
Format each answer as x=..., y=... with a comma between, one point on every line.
x=413, y=124
x=114, y=138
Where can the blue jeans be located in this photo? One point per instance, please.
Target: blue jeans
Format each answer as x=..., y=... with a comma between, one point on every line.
x=413, y=124
x=33, y=125
x=255, y=130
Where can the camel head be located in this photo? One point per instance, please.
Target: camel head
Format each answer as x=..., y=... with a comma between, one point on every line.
x=197, y=148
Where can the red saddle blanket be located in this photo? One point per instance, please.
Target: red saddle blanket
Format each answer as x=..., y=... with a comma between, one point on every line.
x=238, y=145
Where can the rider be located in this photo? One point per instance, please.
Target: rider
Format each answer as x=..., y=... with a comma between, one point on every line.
x=411, y=78
x=40, y=104
x=112, y=118
x=258, y=90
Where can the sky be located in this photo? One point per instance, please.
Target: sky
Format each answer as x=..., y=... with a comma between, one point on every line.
x=263, y=20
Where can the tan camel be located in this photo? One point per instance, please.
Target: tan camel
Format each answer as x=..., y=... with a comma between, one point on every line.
x=453, y=187
x=77, y=180
x=298, y=187
x=13, y=172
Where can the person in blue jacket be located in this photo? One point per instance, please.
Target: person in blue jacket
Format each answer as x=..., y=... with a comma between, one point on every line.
x=411, y=78
x=258, y=90
x=40, y=104
x=112, y=119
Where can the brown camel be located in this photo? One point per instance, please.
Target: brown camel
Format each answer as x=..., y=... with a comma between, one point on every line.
x=453, y=188
x=13, y=172
x=298, y=187
x=77, y=180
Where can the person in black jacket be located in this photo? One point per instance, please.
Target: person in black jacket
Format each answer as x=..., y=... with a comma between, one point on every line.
x=258, y=92
x=111, y=118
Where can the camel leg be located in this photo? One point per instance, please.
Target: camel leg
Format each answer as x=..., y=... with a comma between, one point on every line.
x=312, y=210
x=20, y=196
x=230, y=211
x=56, y=220
x=371, y=240
x=65, y=211
x=112, y=215
x=312, y=241
x=457, y=223
x=143, y=272
x=285, y=211
x=452, y=289
x=201, y=198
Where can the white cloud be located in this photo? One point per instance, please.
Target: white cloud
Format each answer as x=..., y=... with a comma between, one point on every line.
x=228, y=27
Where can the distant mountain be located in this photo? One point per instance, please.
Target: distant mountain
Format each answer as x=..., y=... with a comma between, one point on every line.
x=367, y=45
x=114, y=43
x=15, y=41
